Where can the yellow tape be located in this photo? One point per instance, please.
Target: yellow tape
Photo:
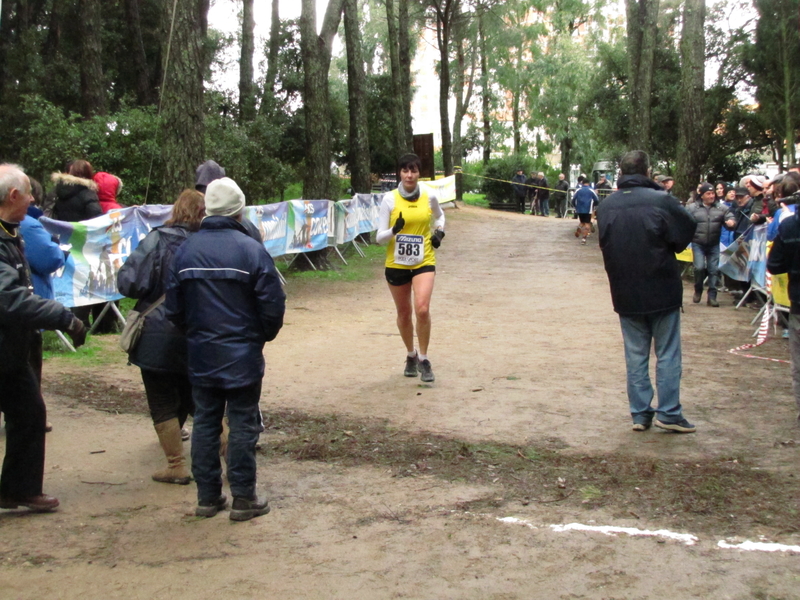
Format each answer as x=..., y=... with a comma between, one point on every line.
x=538, y=187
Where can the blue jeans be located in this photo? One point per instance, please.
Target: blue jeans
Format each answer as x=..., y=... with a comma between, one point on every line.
x=706, y=258
x=637, y=333
x=245, y=427
x=545, y=204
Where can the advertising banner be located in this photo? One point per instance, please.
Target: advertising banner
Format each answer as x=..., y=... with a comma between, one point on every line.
x=98, y=248
x=444, y=189
x=271, y=221
x=345, y=220
x=368, y=208
x=307, y=225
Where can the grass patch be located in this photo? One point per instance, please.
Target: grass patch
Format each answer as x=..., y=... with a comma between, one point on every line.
x=724, y=496
x=476, y=200
x=98, y=350
x=356, y=269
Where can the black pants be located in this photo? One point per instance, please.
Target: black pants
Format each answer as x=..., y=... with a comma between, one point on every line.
x=25, y=416
x=169, y=395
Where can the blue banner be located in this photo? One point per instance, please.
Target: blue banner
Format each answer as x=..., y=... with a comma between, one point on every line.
x=98, y=248
x=308, y=225
x=368, y=208
x=271, y=220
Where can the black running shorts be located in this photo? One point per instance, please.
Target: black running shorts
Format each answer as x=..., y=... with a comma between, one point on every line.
x=404, y=276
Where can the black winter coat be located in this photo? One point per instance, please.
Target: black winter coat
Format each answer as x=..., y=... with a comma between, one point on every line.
x=144, y=276
x=225, y=293
x=76, y=198
x=563, y=187
x=785, y=257
x=709, y=221
x=741, y=216
x=641, y=229
x=22, y=313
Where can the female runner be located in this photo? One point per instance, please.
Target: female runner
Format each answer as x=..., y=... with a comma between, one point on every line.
x=405, y=223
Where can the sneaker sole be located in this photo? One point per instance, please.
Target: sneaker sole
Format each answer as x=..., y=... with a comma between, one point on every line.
x=430, y=379
x=250, y=513
x=641, y=426
x=674, y=427
x=407, y=374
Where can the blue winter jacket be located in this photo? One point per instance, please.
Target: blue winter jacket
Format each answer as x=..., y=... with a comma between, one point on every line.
x=225, y=293
x=43, y=254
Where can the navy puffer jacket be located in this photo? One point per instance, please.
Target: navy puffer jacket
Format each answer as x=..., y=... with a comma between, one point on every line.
x=225, y=293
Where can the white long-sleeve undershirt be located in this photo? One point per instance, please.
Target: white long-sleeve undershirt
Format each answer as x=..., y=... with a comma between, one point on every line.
x=384, y=233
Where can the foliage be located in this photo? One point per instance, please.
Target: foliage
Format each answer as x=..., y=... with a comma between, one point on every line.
x=499, y=171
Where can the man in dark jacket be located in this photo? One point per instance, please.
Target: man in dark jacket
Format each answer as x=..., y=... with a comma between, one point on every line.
x=603, y=187
x=560, y=196
x=225, y=293
x=785, y=258
x=520, y=190
x=709, y=214
x=543, y=195
x=641, y=229
x=22, y=315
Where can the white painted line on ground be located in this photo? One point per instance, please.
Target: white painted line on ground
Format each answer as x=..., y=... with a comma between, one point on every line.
x=686, y=538
x=760, y=546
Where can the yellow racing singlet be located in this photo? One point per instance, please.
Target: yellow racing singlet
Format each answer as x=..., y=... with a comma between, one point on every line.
x=411, y=248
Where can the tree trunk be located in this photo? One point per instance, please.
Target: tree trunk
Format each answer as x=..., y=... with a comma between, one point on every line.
x=566, y=156
x=398, y=95
x=93, y=87
x=486, y=96
x=462, y=87
x=182, y=110
x=247, y=98
x=316, y=51
x=267, y=102
x=444, y=13
x=356, y=91
x=6, y=42
x=642, y=30
x=692, y=127
x=144, y=91
x=404, y=56
x=788, y=107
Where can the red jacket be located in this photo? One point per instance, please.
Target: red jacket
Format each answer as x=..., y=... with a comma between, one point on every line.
x=108, y=186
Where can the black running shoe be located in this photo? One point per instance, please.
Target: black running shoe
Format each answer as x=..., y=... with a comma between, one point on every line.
x=412, y=362
x=426, y=370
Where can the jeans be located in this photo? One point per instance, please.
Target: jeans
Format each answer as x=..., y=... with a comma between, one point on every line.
x=245, y=426
x=706, y=258
x=637, y=332
x=545, y=204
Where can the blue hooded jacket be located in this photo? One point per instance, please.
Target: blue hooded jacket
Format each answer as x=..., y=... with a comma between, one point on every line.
x=43, y=254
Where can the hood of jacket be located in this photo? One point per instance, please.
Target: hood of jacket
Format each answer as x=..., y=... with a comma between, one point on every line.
x=630, y=181
x=65, y=180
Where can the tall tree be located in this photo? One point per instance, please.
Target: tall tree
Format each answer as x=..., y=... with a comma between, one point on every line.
x=356, y=88
x=182, y=106
x=93, y=86
x=247, y=96
x=398, y=97
x=464, y=72
x=486, y=93
x=642, y=30
x=774, y=60
x=144, y=91
x=405, y=55
x=444, y=13
x=692, y=130
x=272, y=60
x=316, y=51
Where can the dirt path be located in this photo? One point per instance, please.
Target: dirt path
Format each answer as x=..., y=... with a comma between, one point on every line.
x=526, y=350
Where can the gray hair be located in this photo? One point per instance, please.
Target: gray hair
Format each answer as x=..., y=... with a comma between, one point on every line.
x=11, y=177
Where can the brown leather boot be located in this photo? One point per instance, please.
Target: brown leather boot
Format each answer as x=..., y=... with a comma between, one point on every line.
x=169, y=434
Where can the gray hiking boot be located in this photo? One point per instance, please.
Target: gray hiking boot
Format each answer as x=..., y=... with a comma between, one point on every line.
x=244, y=509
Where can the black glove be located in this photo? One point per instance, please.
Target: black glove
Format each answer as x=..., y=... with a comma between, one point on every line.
x=77, y=331
x=399, y=224
x=436, y=238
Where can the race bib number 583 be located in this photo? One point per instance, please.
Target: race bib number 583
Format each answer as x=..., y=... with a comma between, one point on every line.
x=409, y=249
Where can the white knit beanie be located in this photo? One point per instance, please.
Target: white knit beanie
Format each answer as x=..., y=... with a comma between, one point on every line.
x=224, y=198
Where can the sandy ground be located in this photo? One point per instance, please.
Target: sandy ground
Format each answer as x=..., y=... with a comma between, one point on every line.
x=526, y=349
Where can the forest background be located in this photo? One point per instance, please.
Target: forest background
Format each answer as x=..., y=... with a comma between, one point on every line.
x=129, y=85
